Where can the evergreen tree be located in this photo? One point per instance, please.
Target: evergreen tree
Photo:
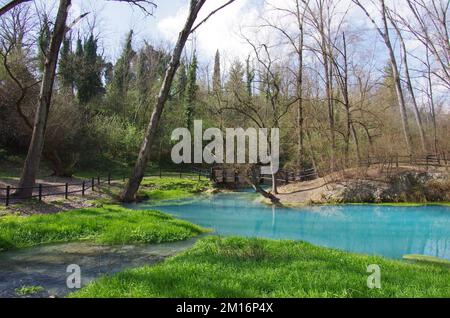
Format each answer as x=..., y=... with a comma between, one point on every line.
x=142, y=81
x=235, y=82
x=78, y=61
x=180, y=85
x=217, y=82
x=44, y=43
x=66, y=69
x=122, y=75
x=79, y=49
x=191, y=92
x=89, y=83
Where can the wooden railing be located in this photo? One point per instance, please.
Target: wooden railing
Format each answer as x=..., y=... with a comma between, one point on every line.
x=41, y=191
x=222, y=176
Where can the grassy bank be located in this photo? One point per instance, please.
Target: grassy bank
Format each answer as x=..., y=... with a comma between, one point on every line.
x=237, y=267
x=172, y=188
x=106, y=225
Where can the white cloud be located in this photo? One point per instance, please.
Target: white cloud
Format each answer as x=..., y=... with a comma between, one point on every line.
x=220, y=32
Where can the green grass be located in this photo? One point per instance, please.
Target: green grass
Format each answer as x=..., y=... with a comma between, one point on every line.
x=107, y=225
x=426, y=259
x=29, y=290
x=237, y=267
x=172, y=188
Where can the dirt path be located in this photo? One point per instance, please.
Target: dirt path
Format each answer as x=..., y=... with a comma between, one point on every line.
x=53, y=192
x=302, y=193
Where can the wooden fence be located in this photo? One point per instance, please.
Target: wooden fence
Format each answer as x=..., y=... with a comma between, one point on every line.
x=221, y=176
x=41, y=191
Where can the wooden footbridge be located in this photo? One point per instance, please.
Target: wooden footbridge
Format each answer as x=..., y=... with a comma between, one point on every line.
x=233, y=178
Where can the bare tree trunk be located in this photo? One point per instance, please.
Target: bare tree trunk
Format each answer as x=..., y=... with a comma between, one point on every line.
x=431, y=98
x=410, y=88
x=342, y=80
x=254, y=182
x=274, y=184
x=33, y=159
x=129, y=193
x=356, y=139
x=397, y=81
x=384, y=32
x=300, y=110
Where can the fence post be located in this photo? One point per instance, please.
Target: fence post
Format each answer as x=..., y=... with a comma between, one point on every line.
x=67, y=191
x=160, y=172
x=98, y=180
x=93, y=184
x=83, y=185
x=109, y=178
x=40, y=192
x=8, y=191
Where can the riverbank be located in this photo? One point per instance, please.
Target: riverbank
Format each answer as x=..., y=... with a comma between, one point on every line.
x=110, y=225
x=238, y=267
x=406, y=188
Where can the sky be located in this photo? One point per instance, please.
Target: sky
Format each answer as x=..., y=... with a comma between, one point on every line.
x=116, y=19
x=222, y=32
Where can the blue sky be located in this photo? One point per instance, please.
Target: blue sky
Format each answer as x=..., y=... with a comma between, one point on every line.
x=116, y=19
x=223, y=31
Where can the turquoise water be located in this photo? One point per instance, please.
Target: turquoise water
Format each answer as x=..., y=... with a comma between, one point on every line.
x=377, y=230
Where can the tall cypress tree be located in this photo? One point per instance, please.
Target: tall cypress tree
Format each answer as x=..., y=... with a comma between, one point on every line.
x=217, y=82
x=236, y=82
x=44, y=43
x=122, y=74
x=180, y=85
x=142, y=74
x=78, y=72
x=191, y=92
x=89, y=83
x=66, y=69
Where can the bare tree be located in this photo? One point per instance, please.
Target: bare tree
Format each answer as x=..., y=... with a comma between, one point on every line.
x=409, y=85
x=273, y=102
x=33, y=158
x=429, y=24
x=321, y=16
x=11, y=5
x=296, y=41
x=385, y=34
x=132, y=186
x=342, y=78
x=14, y=49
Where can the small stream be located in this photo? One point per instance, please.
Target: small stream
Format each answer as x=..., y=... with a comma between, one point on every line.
x=46, y=266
